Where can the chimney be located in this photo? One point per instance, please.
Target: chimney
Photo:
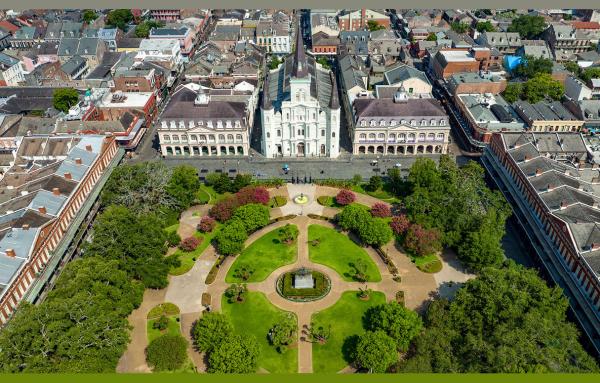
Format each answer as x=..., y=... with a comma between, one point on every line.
x=42, y=209
x=595, y=246
x=527, y=157
x=25, y=226
x=56, y=191
x=538, y=172
x=78, y=161
x=68, y=176
x=10, y=253
x=88, y=148
x=564, y=204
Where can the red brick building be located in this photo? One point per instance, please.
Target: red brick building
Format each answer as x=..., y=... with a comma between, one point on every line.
x=357, y=20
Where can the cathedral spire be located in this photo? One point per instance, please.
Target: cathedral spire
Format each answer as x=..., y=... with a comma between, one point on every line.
x=300, y=69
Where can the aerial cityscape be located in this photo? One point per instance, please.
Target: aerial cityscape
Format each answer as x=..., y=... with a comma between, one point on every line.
x=300, y=191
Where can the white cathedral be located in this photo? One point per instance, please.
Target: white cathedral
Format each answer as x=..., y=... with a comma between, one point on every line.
x=300, y=110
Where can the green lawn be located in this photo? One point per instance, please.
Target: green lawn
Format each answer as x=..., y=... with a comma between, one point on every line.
x=174, y=328
x=206, y=194
x=345, y=319
x=255, y=316
x=427, y=263
x=172, y=228
x=382, y=193
x=187, y=258
x=264, y=255
x=338, y=251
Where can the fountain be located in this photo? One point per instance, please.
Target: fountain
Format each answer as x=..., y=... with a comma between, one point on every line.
x=301, y=199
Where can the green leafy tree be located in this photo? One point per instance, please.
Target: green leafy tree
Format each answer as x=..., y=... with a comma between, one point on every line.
x=241, y=181
x=400, y=323
x=528, y=26
x=538, y=88
x=376, y=232
x=459, y=27
x=375, y=183
x=236, y=354
x=253, y=216
x=183, y=185
x=221, y=183
x=513, y=91
x=283, y=333
x=573, y=67
x=236, y=293
x=373, y=25
x=353, y=217
x=590, y=73
x=482, y=247
x=531, y=67
x=137, y=242
x=143, y=29
x=274, y=63
x=485, y=26
x=119, y=18
x=356, y=179
x=230, y=239
x=288, y=233
x=506, y=320
x=324, y=62
x=210, y=330
x=64, y=98
x=167, y=353
x=89, y=15
x=375, y=351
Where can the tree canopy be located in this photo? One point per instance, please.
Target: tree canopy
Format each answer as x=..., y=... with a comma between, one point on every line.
x=395, y=320
x=485, y=26
x=375, y=351
x=89, y=15
x=528, y=26
x=530, y=67
x=459, y=27
x=237, y=354
x=119, y=18
x=167, y=353
x=505, y=320
x=64, y=98
x=143, y=29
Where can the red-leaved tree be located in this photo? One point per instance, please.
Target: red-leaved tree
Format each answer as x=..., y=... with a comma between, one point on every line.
x=207, y=224
x=190, y=244
x=421, y=241
x=223, y=210
x=400, y=224
x=252, y=194
x=345, y=197
x=381, y=210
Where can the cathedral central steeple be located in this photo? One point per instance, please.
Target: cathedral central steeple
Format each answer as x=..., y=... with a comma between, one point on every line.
x=300, y=68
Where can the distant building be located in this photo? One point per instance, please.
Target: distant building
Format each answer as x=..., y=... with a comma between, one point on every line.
x=357, y=20
x=547, y=116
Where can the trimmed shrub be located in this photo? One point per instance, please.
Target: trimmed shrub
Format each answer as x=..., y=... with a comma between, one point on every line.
x=400, y=224
x=223, y=210
x=207, y=224
x=345, y=197
x=230, y=240
x=190, y=244
x=381, y=210
x=421, y=241
x=252, y=194
x=253, y=216
x=167, y=353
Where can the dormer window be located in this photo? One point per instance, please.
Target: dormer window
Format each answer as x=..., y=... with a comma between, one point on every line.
x=373, y=123
x=363, y=123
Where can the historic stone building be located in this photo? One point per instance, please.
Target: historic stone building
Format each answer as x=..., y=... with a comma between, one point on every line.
x=300, y=109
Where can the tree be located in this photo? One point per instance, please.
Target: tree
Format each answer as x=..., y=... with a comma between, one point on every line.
x=80, y=327
x=505, y=320
x=352, y=217
x=143, y=29
x=252, y=194
x=375, y=351
x=360, y=268
x=223, y=210
x=373, y=25
x=395, y=181
x=381, y=210
x=431, y=37
x=167, y=353
x=400, y=323
x=399, y=224
x=274, y=63
x=236, y=354
x=190, y=244
x=376, y=232
x=283, y=332
x=538, y=88
x=161, y=323
x=530, y=67
x=345, y=197
x=137, y=242
x=183, y=185
x=230, y=239
x=119, y=18
x=221, y=183
x=64, y=98
x=288, y=233
x=324, y=62
x=241, y=181
x=356, y=179
x=513, y=91
x=422, y=241
x=210, y=330
x=590, y=73
x=375, y=183
x=528, y=26
x=459, y=27
x=482, y=247
x=207, y=224
x=573, y=67
x=485, y=26
x=253, y=216
x=173, y=239
x=318, y=334
x=89, y=15
x=236, y=293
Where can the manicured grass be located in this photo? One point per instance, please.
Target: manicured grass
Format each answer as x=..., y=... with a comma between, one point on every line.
x=338, y=251
x=255, y=316
x=428, y=263
x=187, y=258
x=328, y=201
x=173, y=328
x=264, y=255
x=206, y=194
x=166, y=308
x=277, y=201
x=381, y=193
x=345, y=318
x=172, y=228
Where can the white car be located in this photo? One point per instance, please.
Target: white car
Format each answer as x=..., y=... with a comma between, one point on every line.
x=398, y=165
